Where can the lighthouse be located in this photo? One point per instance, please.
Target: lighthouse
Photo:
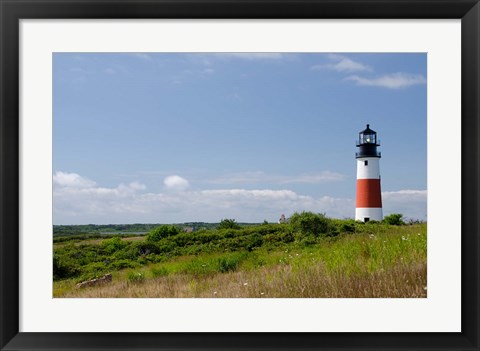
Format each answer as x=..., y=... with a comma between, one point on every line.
x=369, y=196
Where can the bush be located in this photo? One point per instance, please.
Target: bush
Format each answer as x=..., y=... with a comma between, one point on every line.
x=161, y=232
x=394, y=219
x=347, y=226
x=121, y=264
x=64, y=268
x=113, y=244
x=96, y=268
x=254, y=241
x=143, y=248
x=228, y=224
x=309, y=223
x=307, y=240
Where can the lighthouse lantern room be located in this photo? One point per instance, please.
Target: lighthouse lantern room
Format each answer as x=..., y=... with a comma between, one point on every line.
x=369, y=195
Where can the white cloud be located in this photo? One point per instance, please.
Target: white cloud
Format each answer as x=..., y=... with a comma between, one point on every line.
x=322, y=177
x=72, y=180
x=137, y=186
x=208, y=71
x=342, y=64
x=175, y=182
x=261, y=177
x=79, y=200
x=397, y=80
x=410, y=203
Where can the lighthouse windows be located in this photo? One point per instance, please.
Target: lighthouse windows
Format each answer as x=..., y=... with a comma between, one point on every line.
x=365, y=163
x=368, y=138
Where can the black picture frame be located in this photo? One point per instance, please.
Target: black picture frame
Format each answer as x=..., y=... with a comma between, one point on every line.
x=11, y=11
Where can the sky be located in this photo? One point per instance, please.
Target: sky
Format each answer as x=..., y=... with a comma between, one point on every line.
x=199, y=137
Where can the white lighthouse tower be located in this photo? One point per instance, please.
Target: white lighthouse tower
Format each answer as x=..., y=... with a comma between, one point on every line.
x=369, y=195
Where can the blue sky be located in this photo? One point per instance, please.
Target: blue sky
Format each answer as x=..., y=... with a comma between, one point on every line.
x=168, y=137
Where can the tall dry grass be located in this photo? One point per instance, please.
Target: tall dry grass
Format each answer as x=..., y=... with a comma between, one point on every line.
x=279, y=281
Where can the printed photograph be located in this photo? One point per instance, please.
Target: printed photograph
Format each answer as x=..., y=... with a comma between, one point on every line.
x=239, y=175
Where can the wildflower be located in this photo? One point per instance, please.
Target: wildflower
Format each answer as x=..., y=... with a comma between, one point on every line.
x=245, y=284
x=262, y=293
x=214, y=293
x=425, y=288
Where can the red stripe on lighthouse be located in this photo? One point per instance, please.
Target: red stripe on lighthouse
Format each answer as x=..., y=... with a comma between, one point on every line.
x=368, y=193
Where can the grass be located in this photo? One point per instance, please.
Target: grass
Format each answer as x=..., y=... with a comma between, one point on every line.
x=381, y=261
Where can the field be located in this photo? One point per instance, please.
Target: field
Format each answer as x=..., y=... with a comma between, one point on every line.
x=312, y=256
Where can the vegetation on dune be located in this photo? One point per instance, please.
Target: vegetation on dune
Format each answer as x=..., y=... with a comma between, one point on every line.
x=323, y=256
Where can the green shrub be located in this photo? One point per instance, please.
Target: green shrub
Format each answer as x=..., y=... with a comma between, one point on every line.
x=307, y=240
x=347, y=226
x=64, y=268
x=228, y=224
x=143, y=248
x=113, y=244
x=121, y=264
x=394, y=219
x=254, y=241
x=227, y=233
x=161, y=232
x=309, y=223
x=96, y=268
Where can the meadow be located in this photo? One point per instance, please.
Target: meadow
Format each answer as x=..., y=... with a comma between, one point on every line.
x=311, y=256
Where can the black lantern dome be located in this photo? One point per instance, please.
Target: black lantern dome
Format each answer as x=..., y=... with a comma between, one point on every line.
x=367, y=143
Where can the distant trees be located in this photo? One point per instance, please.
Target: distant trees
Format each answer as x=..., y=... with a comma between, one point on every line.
x=228, y=224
